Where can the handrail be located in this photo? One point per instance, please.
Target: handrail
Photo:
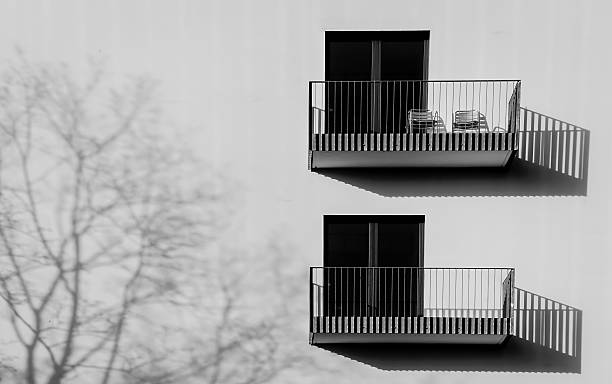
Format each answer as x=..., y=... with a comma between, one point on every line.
x=452, y=268
x=416, y=81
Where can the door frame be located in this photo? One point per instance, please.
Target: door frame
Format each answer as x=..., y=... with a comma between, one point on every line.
x=378, y=35
x=376, y=38
x=385, y=218
x=372, y=278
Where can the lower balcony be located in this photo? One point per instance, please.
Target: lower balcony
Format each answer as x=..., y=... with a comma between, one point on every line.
x=410, y=305
x=413, y=123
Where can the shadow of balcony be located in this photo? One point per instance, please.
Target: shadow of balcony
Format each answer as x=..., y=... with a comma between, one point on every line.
x=547, y=338
x=551, y=160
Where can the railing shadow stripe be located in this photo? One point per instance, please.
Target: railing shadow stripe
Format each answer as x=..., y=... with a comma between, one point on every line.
x=548, y=323
x=553, y=144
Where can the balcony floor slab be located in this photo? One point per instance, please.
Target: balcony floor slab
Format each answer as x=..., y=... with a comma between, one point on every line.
x=417, y=159
x=345, y=338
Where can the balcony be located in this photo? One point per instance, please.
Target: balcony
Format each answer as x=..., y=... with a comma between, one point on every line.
x=410, y=305
x=413, y=123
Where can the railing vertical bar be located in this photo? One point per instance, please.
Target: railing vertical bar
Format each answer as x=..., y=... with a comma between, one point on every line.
x=446, y=110
x=393, y=115
x=353, y=312
x=386, y=107
x=335, y=291
x=459, y=99
x=466, y=94
x=442, y=295
x=377, y=287
x=359, y=142
x=335, y=109
x=311, y=311
x=487, y=100
x=572, y=338
x=489, y=306
x=496, y=282
x=346, y=304
x=462, y=292
x=310, y=111
x=405, y=298
x=468, y=292
x=452, y=109
x=410, y=293
x=343, y=110
x=525, y=315
x=406, y=107
x=439, y=98
x=473, y=102
x=479, y=93
x=499, y=108
x=397, y=308
x=420, y=104
x=493, y=104
x=557, y=327
x=327, y=286
x=392, y=289
x=481, y=292
x=475, y=291
x=368, y=115
x=418, y=295
x=436, y=293
x=547, y=323
x=328, y=122
x=567, y=331
x=429, y=302
x=386, y=288
x=455, y=303
x=354, y=109
x=412, y=100
x=341, y=293
x=360, y=290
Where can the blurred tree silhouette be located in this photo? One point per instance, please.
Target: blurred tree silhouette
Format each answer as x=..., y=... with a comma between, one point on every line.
x=103, y=225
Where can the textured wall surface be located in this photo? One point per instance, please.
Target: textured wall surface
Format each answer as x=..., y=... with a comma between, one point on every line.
x=234, y=82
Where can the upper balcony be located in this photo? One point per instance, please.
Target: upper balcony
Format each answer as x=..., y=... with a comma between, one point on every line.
x=413, y=123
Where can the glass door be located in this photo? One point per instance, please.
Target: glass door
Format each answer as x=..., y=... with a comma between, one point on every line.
x=372, y=265
x=367, y=72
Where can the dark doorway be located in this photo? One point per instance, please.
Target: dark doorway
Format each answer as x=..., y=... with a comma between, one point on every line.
x=372, y=264
x=366, y=73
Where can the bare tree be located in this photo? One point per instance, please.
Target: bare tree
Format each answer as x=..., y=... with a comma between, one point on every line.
x=250, y=337
x=103, y=228
x=96, y=222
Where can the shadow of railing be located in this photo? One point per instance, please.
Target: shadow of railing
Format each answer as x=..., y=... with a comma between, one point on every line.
x=547, y=338
x=549, y=324
x=553, y=144
x=552, y=159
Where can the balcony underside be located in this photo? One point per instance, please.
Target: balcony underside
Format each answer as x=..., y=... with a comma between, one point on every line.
x=435, y=330
x=387, y=338
x=457, y=159
x=483, y=149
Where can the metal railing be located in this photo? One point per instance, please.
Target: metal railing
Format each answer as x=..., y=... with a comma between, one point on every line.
x=342, y=294
x=396, y=107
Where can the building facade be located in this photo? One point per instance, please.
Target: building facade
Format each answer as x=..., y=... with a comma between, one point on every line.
x=529, y=208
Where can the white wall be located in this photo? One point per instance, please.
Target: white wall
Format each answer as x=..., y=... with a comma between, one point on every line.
x=235, y=73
